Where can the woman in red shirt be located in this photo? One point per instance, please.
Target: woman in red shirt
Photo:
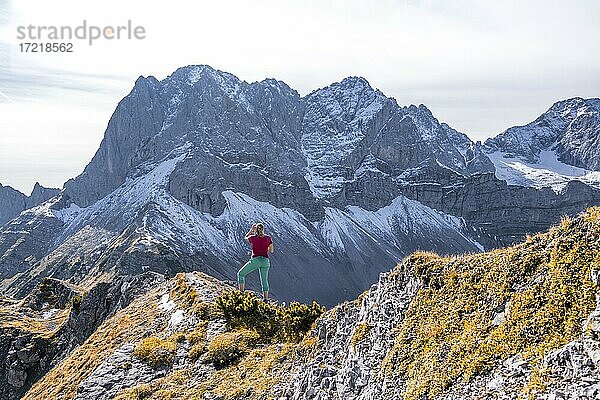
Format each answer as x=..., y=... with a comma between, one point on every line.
x=262, y=245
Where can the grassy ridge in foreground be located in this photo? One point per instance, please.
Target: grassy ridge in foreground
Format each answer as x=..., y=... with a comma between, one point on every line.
x=250, y=357
x=454, y=328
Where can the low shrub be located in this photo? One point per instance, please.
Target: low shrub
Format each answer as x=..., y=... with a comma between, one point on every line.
x=76, y=302
x=272, y=322
x=228, y=347
x=197, y=338
x=296, y=319
x=156, y=351
x=360, y=333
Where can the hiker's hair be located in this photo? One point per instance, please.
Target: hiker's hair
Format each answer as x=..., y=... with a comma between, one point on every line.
x=260, y=229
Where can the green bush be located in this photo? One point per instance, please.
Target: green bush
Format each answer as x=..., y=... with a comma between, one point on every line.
x=296, y=319
x=245, y=310
x=76, y=301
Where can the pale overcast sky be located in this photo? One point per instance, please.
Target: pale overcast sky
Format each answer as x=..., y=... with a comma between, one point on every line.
x=480, y=66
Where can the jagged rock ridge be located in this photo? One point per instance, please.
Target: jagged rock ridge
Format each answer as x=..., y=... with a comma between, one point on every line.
x=265, y=140
x=14, y=202
x=561, y=145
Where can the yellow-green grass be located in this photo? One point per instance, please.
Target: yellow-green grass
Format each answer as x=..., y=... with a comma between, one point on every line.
x=129, y=325
x=447, y=334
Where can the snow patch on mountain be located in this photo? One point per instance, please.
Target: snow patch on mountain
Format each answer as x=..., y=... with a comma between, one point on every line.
x=120, y=207
x=548, y=171
x=401, y=221
x=220, y=235
x=68, y=214
x=570, y=128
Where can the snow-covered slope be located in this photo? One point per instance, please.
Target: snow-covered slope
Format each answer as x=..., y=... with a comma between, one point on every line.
x=547, y=171
x=562, y=145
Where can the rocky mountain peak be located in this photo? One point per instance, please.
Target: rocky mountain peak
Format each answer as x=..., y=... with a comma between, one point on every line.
x=146, y=82
x=205, y=75
x=39, y=189
x=351, y=95
x=190, y=74
x=570, y=129
x=570, y=108
x=12, y=202
x=40, y=194
x=276, y=86
x=421, y=110
x=353, y=82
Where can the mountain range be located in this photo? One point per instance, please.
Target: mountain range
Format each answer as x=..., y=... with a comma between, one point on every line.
x=111, y=285
x=347, y=181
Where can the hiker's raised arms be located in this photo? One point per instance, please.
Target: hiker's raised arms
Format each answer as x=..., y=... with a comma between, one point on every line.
x=250, y=232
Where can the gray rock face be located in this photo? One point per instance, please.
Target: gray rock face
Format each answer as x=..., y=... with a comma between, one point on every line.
x=28, y=355
x=26, y=345
x=99, y=304
x=265, y=140
x=570, y=127
x=343, y=368
x=501, y=214
x=137, y=118
x=25, y=240
x=25, y=357
x=50, y=293
x=119, y=371
x=13, y=202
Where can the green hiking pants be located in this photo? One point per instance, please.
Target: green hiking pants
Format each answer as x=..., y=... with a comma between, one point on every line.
x=261, y=264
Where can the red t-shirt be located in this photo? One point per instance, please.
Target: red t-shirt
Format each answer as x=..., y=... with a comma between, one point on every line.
x=260, y=245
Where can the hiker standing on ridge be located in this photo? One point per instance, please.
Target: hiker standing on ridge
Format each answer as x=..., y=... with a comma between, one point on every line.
x=262, y=245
